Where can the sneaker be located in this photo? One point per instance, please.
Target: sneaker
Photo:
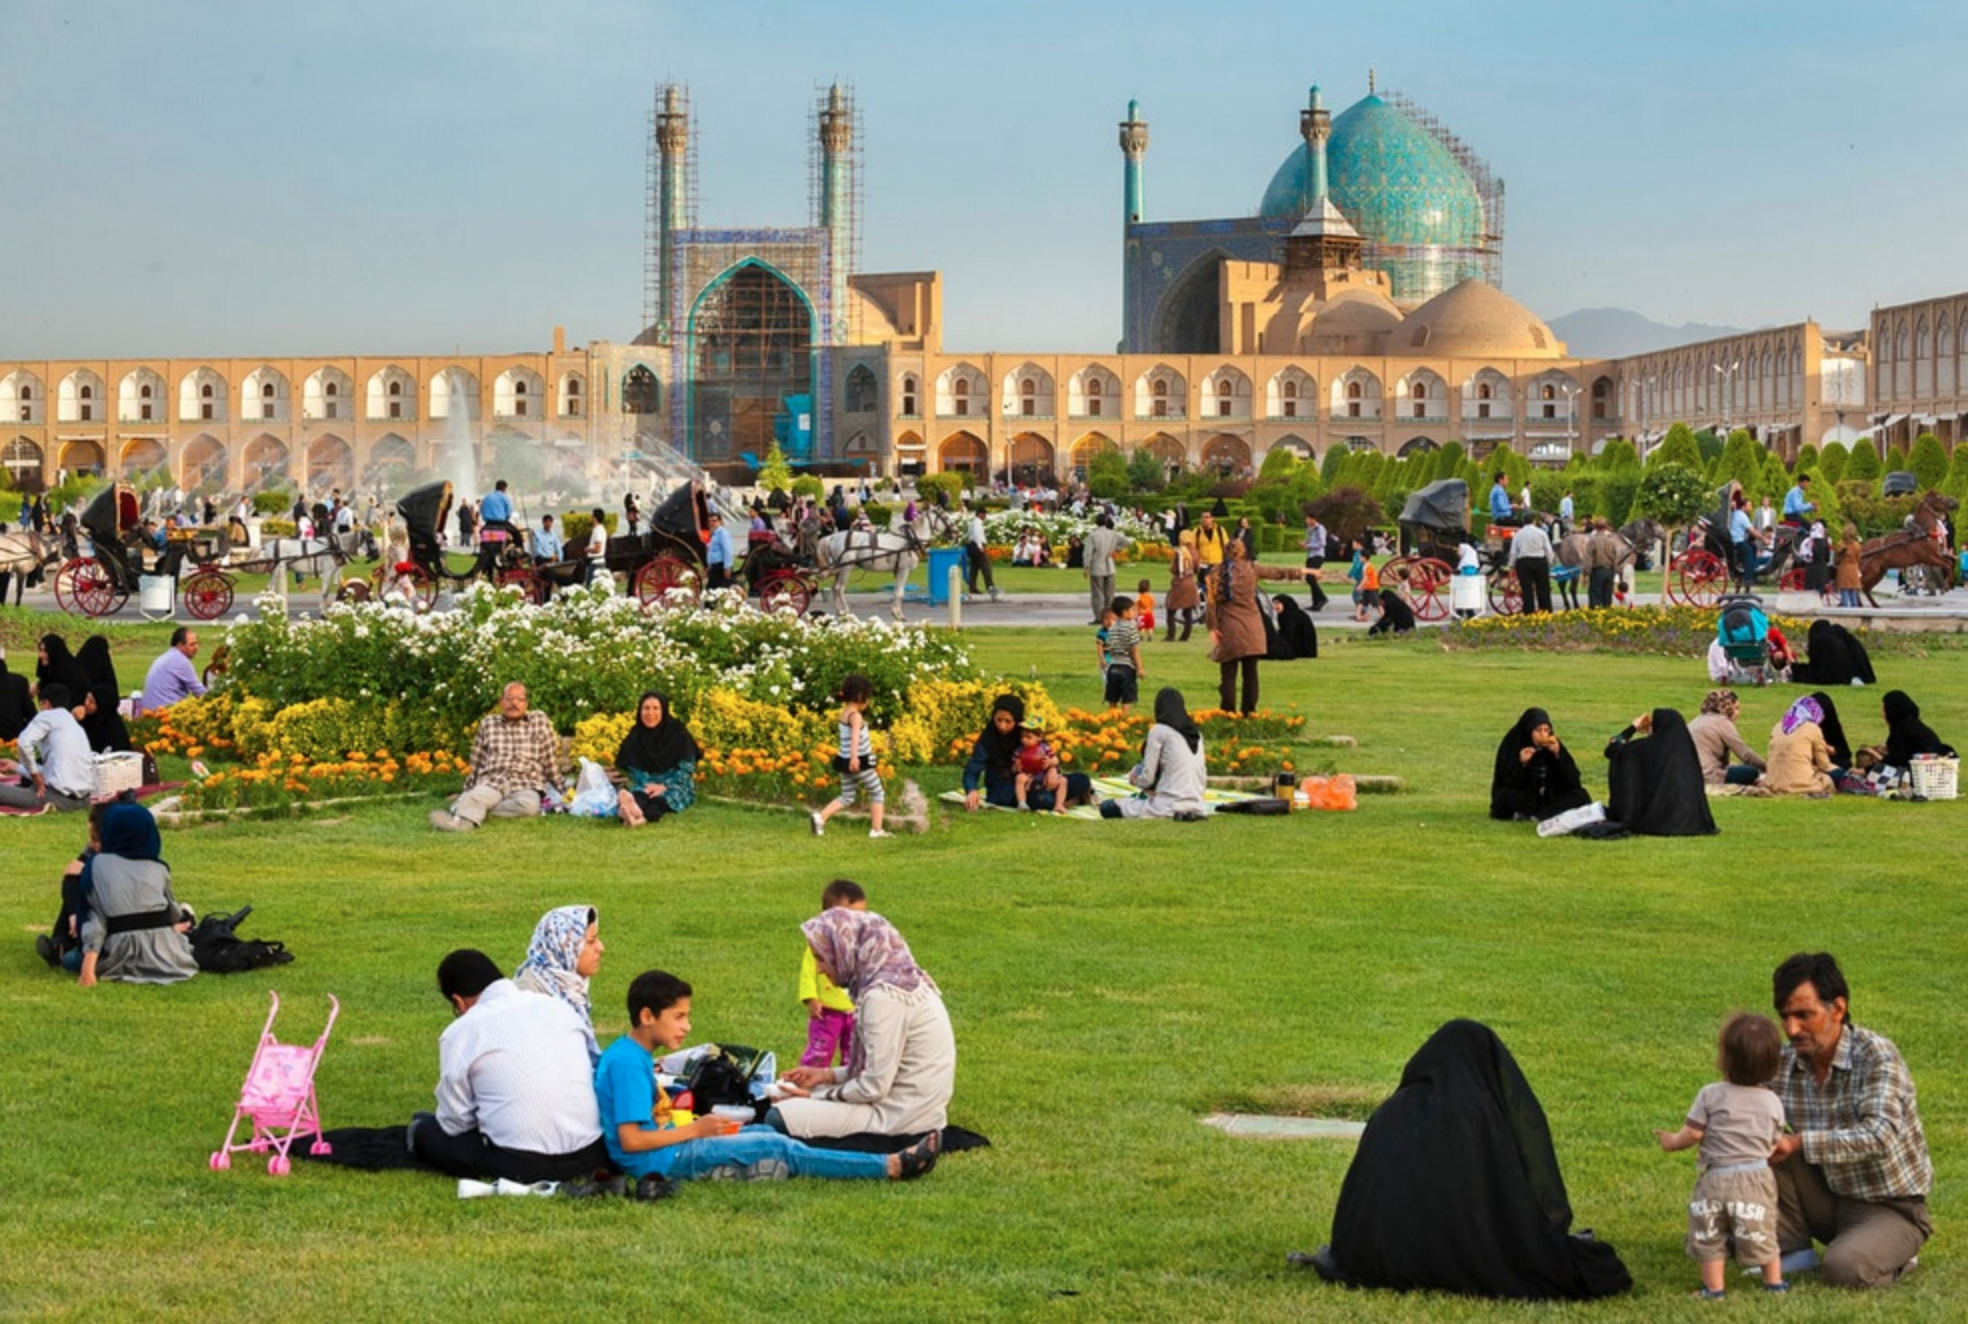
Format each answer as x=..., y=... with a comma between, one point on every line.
x=602, y=1183
x=817, y=823
x=446, y=821
x=542, y=1188
x=920, y=1158
x=1709, y=1294
x=1776, y=1287
x=474, y=1190
x=44, y=947
x=878, y=834
x=654, y=1188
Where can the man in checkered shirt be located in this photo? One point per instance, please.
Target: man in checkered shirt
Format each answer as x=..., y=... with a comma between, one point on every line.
x=515, y=759
x=1853, y=1172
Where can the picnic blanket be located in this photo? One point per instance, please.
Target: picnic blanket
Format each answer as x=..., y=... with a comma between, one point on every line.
x=1117, y=788
x=142, y=793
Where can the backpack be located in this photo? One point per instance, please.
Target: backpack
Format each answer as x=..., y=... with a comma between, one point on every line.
x=219, y=950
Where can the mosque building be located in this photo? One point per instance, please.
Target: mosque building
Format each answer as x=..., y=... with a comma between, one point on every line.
x=1359, y=307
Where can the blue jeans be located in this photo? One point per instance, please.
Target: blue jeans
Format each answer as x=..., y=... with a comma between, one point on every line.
x=1740, y=774
x=1848, y=597
x=759, y=1152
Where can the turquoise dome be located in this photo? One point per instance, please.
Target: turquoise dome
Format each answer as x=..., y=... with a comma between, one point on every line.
x=1401, y=190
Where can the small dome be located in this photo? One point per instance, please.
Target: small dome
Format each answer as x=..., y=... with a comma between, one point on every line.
x=1357, y=322
x=1476, y=320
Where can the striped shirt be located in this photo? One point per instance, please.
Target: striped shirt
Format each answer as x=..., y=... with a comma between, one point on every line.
x=515, y=1068
x=1861, y=1126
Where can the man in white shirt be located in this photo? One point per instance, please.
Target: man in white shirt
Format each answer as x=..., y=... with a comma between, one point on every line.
x=977, y=560
x=515, y=1083
x=55, y=754
x=1530, y=557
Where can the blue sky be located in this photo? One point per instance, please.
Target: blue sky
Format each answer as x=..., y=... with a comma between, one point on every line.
x=230, y=178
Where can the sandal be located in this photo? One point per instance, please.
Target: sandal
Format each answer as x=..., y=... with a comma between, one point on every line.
x=918, y=1159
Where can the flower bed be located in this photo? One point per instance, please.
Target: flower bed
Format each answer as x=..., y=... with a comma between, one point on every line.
x=273, y=785
x=1004, y=526
x=1671, y=631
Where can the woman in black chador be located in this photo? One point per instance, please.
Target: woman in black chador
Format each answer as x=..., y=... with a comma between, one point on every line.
x=1654, y=785
x=1535, y=776
x=1456, y=1188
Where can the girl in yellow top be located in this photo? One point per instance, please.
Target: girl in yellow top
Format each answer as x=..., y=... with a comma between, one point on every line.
x=829, y=1010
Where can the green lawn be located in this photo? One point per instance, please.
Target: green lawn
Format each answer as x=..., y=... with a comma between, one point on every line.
x=1109, y=983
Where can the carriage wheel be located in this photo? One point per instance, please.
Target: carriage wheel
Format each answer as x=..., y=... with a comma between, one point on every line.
x=90, y=589
x=65, y=586
x=1703, y=578
x=420, y=585
x=528, y=583
x=1427, y=581
x=1792, y=580
x=1506, y=594
x=355, y=591
x=785, y=590
x=666, y=575
x=207, y=595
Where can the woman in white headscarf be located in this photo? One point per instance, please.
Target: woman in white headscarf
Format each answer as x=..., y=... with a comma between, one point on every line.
x=903, y=1069
x=564, y=954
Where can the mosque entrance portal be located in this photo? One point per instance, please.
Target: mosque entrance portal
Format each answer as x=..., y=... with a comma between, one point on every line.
x=752, y=338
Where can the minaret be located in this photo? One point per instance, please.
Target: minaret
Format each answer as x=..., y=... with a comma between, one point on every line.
x=836, y=198
x=1315, y=126
x=1323, y=241
x=672, y=189
x=1134, y=146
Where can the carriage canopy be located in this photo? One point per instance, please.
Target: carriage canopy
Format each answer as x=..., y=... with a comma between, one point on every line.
x=113, y=512
x=424, y=512
x=684, y=514
x=1442, y=505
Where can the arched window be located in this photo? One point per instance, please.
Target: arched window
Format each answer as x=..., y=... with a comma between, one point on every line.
x=1094, y=404
x=1158, y=391
x=909, y=392
x=641, y=393
x=861, y=391
x=1485, y=391
x=396, y=388
x=1547, y=392
x=960, y=394
x=1028, y=397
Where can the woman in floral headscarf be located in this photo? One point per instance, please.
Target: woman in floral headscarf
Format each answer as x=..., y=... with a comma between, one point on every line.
x=1800, y=760
x=903, y=1069
x=564, y=954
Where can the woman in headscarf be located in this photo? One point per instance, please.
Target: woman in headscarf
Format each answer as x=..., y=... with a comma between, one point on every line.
x=135, y=930
x=1396, y=616
x=1455, y=1187
x=1171, y=775
x=97, y=664
x=1907, y=737
x=659, y=757
x=1236, y=622
x=1833, y=728
x=1295, y=635
x=1717, y=741
x=58, y=666
x=1654, y=785
x=1800, y=761
x=1183, y=598
x=990, y=775
x=102, y=722
x=903, y=1069
x=563, y=956
x=1534, y=777
x=16, y=703
x=1834, y=657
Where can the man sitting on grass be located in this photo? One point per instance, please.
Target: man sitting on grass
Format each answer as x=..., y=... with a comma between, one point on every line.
x=515, y=759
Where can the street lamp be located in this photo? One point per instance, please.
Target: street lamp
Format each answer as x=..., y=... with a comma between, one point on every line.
x=1729, y=391
x=1571, y=394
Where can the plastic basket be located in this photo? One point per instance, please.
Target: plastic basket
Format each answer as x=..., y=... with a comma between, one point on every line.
x=1935, y=778
x=117, y=773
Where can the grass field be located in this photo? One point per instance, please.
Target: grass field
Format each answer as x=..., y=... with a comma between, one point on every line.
x=1109, y=983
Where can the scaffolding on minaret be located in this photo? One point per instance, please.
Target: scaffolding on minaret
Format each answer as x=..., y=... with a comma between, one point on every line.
x=833, y=185
x=1489, y=185
x=669, y=203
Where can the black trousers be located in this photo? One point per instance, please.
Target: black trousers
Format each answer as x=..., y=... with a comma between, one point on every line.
x=1226, y=688
x=976, y=561
x=1313, y=563
x=1599, y=588
x=1534, y=578
x=472, y=1155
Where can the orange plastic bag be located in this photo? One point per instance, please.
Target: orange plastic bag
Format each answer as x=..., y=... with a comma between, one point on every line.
x=1330, y=792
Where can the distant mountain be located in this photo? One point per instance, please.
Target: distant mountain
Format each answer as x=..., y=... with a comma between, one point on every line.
x=1615, y=333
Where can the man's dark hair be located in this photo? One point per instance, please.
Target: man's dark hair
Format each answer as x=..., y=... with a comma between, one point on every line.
x=466, y=973
x=841, y=892
x=178, y=635
x=1818, y=969
x=1751, y=1049
x=655, y=990
x=1803, y=480
x=55, y=695
x=499, y=486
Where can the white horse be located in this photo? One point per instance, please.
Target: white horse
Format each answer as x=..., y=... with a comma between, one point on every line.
x=26, y=552
x=320, y=557
x=840, y=554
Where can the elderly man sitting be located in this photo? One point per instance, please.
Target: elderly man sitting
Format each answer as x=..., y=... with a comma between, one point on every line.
x=515, y=759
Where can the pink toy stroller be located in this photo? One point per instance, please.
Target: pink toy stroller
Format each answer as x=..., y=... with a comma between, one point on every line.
x=278, y=1097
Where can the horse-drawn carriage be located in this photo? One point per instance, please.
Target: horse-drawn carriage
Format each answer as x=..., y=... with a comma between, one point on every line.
x=417, y=577
x=670, y=558
x=100, y=583
x=1434, y=525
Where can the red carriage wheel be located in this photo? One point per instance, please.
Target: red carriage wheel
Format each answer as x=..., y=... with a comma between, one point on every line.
x=1506, y=594
x=92, y=590
x=421, y=586
x=1792, y=580
x=1427, y=581
x=1703, y=578
x=785, y=590
x=65, y=586
x=665, y=575
x=207, y=595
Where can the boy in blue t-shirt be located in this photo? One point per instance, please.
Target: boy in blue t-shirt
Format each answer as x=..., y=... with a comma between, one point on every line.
x=643, y=1141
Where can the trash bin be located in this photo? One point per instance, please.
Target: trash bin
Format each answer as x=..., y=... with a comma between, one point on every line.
x=157, y=596
x=941, y=559
x=1466, y=594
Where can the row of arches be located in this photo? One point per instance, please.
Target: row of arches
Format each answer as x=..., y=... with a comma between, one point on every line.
x=266, y=395
x=207, y=463
x=1919, y=358
x=1096, y=391
x=1029, y=453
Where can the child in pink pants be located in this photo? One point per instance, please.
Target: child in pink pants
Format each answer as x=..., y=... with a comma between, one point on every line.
x=830, y=1012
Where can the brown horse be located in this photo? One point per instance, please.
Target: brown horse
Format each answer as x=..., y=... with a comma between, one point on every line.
x=1910, y=547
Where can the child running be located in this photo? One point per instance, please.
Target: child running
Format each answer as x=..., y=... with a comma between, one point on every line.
x=1737, y=1121
x=829, y=1010
x=1035, y=762
x=644, y=1142
x=856, y=760
x=1144, y=609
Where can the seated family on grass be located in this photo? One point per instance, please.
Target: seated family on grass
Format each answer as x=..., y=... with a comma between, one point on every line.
x=1658, y=785
x=1456, y=1185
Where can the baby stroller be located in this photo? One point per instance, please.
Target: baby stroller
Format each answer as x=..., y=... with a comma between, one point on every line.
x=1744, y=635
x=278, y=1097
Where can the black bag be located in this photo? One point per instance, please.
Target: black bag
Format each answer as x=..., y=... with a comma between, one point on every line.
x=1265, y=807
x=219, y=950
x=721, y=1075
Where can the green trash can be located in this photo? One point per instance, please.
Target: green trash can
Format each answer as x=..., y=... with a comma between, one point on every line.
x=941, y=559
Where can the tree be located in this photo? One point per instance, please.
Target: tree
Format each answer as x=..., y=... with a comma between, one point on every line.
x=1832, y=461
x=1807, y=458
x=1929, y=461
x=1335, y=457
x=1616, y=493
x=1742, y=461
x=1956, y=482
x=1279, y=464
x=1678, y=448
x=1896, y=459
x=1709, y=445
x=1448, y=460
x=1144, y=471
x=1673, y=494
x=1864, y=466
x=775, y=475
x=1107, y=475
x=1618, y=454
x=1347, y=512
